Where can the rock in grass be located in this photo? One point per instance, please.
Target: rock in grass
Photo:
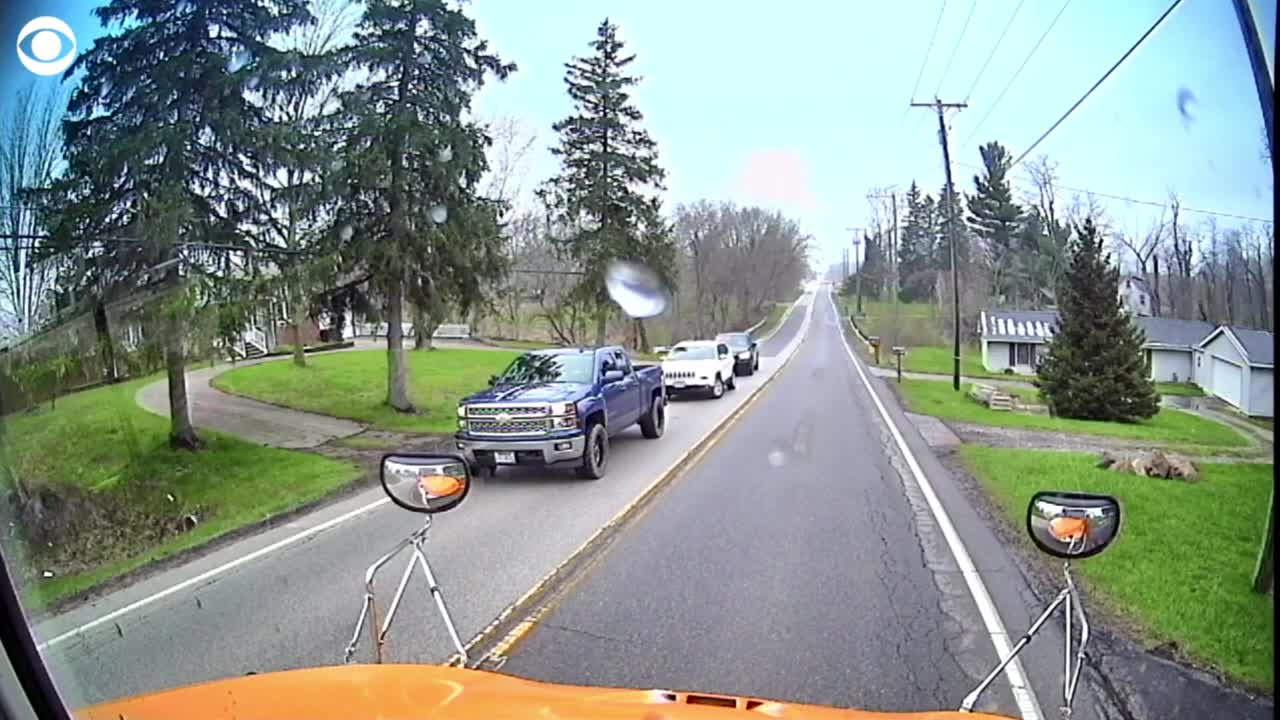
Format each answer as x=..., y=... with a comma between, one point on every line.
x=1151, y=463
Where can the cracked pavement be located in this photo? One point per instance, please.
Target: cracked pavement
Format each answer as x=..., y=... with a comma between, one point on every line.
x=792, y=562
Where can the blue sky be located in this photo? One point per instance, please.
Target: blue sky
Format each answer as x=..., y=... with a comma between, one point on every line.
x=802, y=106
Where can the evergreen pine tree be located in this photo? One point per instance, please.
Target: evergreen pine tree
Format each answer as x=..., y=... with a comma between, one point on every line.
x=158, y=133
x=995, y=220
x=1095, y=368
x=919, y=235
x=606, y=192
x=410, y=215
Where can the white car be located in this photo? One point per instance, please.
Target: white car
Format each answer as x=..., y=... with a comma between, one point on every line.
x=698, y=365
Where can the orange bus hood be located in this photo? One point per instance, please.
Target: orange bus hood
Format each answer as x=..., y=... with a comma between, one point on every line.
x=350, y=692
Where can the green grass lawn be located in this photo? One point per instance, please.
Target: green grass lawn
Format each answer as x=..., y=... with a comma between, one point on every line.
x=1182, y=566
x=939, y=360
x=1186, y=389
x=524, y=344
x=930, y=397
x=771, y=321
x=102, y=446
x=354, y=385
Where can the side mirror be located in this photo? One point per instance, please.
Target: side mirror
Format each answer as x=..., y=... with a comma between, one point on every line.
x=1072, y=525
x=723, y=355
x=425, y=483
x=611, y=376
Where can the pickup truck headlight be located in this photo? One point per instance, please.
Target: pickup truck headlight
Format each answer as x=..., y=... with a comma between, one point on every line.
x=567, y=408
x=566, y=422
x=462, y=411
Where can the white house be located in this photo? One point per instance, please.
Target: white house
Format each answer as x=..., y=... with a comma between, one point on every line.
x=1135, y=297
x=1014, y=338
x=1237, y=365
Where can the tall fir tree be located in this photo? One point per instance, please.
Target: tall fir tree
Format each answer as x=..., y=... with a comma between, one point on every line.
x=995, y=219
x=916, y=251
x=158, y=135
x=1095, y=369
x=942, y=242
x=606, y=194
x=411, y=218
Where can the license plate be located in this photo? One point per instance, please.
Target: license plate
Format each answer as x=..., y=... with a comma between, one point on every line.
x=505, y=458
x=679, y=383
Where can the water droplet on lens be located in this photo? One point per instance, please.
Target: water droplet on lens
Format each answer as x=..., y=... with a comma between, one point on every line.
x=637, y=289
x=777, y=458
x=439, y=214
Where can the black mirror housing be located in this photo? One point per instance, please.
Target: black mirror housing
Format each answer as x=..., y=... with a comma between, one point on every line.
x=425, y=482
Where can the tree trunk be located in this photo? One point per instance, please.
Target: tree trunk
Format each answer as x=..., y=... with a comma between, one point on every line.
x=106, y=349
x=181, y=433
x=1155, y=286
x=421, y=336
x=397, y=372
x=1265, y=571
x=642, y=338
x=299, y=316
x=602, y=324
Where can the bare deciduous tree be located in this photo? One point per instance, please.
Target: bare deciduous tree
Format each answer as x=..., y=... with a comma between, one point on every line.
x=30, y=151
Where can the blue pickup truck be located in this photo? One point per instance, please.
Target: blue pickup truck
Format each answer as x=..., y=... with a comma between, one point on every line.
x=553, y=407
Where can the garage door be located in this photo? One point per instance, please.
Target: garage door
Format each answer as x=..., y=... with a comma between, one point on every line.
x=1226, y=381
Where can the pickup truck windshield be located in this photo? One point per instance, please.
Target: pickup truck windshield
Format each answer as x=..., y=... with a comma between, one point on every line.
x=735, y=341
x=539, y=368
x=695, y=352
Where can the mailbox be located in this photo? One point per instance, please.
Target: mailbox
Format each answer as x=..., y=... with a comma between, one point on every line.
x=898, y=352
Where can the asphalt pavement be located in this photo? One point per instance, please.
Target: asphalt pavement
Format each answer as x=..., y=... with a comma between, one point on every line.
x=794, y=561
x=288, y=596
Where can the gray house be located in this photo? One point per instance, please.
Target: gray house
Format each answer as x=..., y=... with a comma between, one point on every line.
x=1238, y=366
x=1234, y=364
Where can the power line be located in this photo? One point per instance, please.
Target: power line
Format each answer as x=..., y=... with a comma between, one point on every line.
x=947, y=68
x=1105, y=75
x=1123, y=198
x=937, y=23
x=1017, y=72
x=993, y=50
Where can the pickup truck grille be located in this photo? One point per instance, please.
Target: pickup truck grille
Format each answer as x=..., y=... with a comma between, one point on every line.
x=540, y=410
x=509, y=427
x=679, y=374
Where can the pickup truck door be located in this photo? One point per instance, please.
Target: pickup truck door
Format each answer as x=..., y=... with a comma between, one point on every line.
x=622, y=397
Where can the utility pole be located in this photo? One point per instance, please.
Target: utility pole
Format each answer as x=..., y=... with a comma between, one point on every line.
x=857, y=269
x=941, y=108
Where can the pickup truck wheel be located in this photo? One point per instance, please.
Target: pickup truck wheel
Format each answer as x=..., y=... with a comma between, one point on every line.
x=595, y=458
x=756, y=366
x=717, y=389
x=655, y=422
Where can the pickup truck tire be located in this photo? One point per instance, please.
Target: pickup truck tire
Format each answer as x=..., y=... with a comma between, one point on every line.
x=595, y=457
x=717, y=388
x=654, y=422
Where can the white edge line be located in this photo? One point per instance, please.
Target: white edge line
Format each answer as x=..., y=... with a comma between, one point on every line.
x=1023, y=694
x=214, y=572
x=208, y=574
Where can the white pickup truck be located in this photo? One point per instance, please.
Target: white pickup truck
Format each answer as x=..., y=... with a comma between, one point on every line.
x=703, y=366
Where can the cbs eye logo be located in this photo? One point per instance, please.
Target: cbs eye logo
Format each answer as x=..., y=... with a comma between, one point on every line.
x=46, y=46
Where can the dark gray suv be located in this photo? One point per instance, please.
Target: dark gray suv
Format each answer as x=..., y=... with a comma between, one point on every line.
x=746, y=353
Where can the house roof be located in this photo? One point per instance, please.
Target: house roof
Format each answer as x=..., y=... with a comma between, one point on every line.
x=1029, y=326
x=1257, y=346
x=1172, y=331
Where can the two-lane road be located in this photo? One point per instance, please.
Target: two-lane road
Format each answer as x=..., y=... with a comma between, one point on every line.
x=796, y=560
